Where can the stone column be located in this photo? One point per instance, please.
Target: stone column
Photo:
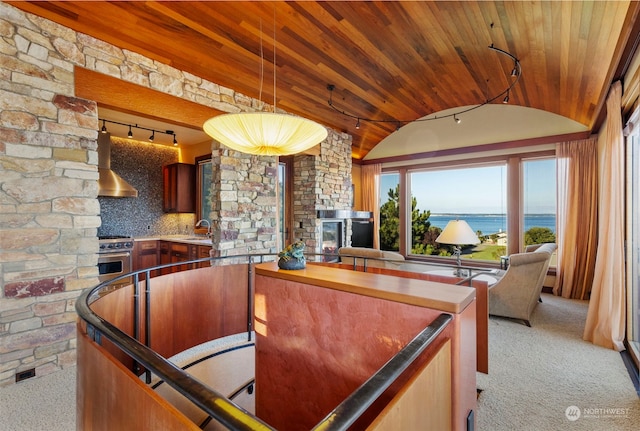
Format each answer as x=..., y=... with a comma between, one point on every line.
x=321, y=182
x=244, y=213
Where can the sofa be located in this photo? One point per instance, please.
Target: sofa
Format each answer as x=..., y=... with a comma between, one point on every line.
x=374, y=258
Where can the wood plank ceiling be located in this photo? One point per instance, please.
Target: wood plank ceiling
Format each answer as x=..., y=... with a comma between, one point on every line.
x=391, y=60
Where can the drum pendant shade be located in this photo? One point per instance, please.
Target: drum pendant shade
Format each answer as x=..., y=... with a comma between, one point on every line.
x=265, y=133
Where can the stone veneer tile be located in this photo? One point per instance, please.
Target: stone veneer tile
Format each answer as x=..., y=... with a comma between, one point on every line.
x=40, y=287
x=48, y=308
x=25, y=325
x=37, y=337
x=59, y=318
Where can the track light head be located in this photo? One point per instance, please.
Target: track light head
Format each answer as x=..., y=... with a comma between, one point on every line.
x=514, y=71
x=506, y=98
x=358, y=124
x=456, y=119
x=136, y=126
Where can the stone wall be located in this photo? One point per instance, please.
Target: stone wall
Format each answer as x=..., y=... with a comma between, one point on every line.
x=321, y=183
x=48, y=206
x=49, y=211
x=244, y=213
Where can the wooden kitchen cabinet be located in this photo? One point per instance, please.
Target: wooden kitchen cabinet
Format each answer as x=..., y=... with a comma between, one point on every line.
x=176, y=252
x=173, y=252
x=201, y=252
x=179, y=188
x=145, y=255
x=165, y=256
x=179, y=253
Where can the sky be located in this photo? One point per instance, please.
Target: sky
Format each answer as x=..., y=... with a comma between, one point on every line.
x=479, y=190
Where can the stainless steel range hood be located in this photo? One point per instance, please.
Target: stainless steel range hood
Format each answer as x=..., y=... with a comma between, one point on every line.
x=110, y=184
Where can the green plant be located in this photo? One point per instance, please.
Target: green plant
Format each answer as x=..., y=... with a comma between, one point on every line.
x=422, y=233
x=539, y=235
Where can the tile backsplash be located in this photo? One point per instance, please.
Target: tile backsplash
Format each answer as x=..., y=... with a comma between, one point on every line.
x=140, y=164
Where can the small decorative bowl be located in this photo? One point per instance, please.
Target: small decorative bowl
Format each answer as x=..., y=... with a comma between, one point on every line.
x=291, y=263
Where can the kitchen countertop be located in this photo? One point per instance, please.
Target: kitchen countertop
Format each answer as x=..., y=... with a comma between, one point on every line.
x=187, y=239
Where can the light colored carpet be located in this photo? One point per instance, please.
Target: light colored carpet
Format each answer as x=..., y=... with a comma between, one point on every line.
x=46, y=403
x=536, y=374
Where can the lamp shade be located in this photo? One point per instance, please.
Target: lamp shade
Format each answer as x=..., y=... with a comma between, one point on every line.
x=265, y=133
x=458, y=232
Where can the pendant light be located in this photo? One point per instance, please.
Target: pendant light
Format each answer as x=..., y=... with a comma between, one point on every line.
x=265, y=133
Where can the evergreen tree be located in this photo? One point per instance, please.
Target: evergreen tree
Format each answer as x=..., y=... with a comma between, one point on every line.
x=390, y=222
x=539, y=235
x=423, y=241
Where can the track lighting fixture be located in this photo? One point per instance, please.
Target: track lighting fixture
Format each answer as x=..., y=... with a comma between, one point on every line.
x=516, y=72
x=130, y=133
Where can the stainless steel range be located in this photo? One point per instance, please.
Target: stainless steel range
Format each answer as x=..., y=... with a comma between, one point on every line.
x=115, y=258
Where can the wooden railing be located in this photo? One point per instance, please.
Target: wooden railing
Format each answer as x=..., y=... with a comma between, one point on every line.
x=129, y=331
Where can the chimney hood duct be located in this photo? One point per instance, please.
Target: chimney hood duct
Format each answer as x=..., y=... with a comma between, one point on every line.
x=110, y=184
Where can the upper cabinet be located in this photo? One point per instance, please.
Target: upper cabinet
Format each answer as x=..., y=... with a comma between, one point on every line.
x=179, y=190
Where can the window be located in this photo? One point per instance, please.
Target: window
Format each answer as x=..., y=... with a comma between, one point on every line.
x=389, y=211
x=539, y=200
x=204, y=192
x=475, y=194
x=282, y=180
x=508, y=201
x=633, y=238
x=285, y=201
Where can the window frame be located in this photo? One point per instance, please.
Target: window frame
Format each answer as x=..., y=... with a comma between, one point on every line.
x=514, y=204
x=473, y=164
x=200, y=161
x=285, y=202
x=552, y=264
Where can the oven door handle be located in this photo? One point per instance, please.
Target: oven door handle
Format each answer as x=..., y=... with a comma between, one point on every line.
x=115, y=255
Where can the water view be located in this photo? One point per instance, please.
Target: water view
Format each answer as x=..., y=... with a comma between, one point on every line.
x=494, y=223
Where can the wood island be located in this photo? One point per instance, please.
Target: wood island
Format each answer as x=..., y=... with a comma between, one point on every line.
x=321, y=332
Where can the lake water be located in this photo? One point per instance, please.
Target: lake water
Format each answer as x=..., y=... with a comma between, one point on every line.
x=494, y=223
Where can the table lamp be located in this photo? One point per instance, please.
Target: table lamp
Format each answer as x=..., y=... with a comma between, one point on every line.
x=457, y=233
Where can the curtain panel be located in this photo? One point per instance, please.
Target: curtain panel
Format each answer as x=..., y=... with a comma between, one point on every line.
x=371, y=197
x=577, y=217
x=605, y=324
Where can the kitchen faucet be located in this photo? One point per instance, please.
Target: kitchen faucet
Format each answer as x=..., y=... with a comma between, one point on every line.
x=200, y=222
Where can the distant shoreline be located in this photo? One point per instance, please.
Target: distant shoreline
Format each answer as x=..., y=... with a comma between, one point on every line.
x=490, y=214
x=489, y=224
